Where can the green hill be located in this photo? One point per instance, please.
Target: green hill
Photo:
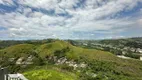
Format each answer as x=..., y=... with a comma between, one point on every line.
x=104, y=64
x=20, y=50
x=73, y=52
x=50, y=48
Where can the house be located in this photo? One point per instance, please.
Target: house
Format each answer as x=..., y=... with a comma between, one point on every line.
x=11, y=59
x=82, y=65
x=5, y=76
x=132, y=49
x=139, y=50
x=29, y=60
x=85, y=44
x=124, y=52
x=124, y=57
x=126, y=48
x=17, y=76
x=141, y=58
x=20, y=60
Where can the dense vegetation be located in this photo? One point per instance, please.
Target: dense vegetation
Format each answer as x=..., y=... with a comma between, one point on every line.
x=101, y=65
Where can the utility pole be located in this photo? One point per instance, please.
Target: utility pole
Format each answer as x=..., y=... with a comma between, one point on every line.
x=3, y=73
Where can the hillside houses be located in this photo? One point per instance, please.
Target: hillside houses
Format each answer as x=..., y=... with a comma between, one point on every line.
x=23, y=61
x=123, y=48
x=20, y=60
x=71, y=63
x=29, y=60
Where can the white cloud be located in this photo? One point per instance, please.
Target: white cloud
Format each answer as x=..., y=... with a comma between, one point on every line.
x=6, y=2
x=140, y=22
x=94, y=16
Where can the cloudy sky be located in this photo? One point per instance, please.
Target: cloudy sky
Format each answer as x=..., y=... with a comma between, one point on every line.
x=70, y=19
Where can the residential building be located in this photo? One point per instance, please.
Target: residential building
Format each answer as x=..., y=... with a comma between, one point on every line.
x=5, y=76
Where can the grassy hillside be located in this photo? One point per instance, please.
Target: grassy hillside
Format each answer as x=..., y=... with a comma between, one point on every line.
x=50, y=48
x=20, y=50
x=73, y=52
x=43, y=74
x=104, y=64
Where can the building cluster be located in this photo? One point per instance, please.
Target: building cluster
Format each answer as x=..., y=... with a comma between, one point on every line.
x=71, y=63
x=119, y=49
x=22, y=61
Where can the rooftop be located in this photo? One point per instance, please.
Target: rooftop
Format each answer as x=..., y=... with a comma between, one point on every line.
x=17, y=76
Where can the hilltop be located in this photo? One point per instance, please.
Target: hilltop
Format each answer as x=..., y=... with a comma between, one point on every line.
x=61, y=55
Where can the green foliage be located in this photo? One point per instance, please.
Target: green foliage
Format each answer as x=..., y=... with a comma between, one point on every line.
x=66, y=67
x=132, y=55
x=49, y=75
x=61, y=53
x=116, y=52
x=38, y=61
x=102, y=66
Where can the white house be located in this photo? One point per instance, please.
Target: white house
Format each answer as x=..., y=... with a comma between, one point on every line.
x=15, y=77
x=141, y=58
x=139, y=50
x=124, y=57
x=20, y=60
x=5, y=76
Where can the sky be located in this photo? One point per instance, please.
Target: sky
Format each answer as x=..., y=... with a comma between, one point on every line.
x=70, y=19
